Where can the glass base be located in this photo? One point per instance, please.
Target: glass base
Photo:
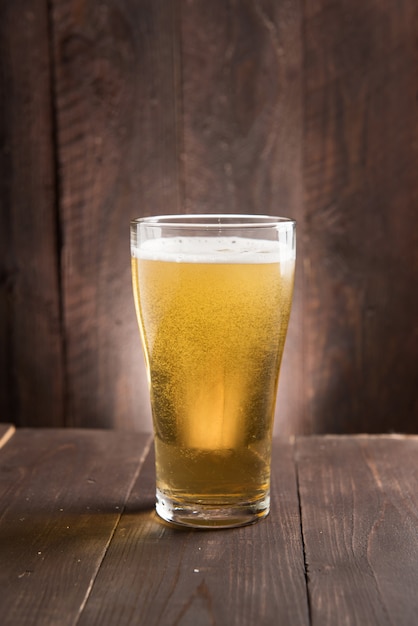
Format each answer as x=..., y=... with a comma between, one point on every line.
x=211, y=516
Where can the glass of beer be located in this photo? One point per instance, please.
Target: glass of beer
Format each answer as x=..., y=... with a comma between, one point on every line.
x=213, y=296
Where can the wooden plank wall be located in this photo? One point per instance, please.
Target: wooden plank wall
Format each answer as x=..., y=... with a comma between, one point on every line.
x=115, y=109
x=32, y=335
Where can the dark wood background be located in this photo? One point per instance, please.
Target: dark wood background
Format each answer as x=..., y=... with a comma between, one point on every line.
x=113, y=109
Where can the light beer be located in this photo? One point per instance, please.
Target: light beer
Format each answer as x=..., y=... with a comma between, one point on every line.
x=213, y=314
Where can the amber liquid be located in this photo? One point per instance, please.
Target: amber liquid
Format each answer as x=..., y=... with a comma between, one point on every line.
x=213, y=336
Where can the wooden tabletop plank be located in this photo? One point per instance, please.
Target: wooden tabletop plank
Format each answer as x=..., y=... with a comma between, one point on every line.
x=6, y=432
x=159, y=574
x=61, y=496
x=359, y=503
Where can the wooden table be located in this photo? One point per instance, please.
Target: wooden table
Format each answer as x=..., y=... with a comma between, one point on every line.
x=80, y=543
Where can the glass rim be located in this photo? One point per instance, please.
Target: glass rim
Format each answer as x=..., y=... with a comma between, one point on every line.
x=214, y=220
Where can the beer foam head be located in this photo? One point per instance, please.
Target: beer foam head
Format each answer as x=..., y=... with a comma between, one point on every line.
x=214, y=250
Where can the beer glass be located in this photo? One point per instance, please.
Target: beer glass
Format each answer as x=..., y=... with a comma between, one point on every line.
x=213, y=296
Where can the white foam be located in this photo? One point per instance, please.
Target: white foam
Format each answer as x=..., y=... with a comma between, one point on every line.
x=214, y=250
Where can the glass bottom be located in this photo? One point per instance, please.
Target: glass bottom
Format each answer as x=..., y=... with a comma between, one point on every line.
x=211, y=516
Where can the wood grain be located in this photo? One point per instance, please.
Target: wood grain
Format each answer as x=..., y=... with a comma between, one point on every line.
x=61, y=496
x=359, y=509
x=32, y=384
x=80, y=542
x=162, y=575
x=116, y=104
x=361, y=194
x=111, y=110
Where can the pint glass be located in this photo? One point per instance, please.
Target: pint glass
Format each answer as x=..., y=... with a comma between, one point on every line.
x=213, y=296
